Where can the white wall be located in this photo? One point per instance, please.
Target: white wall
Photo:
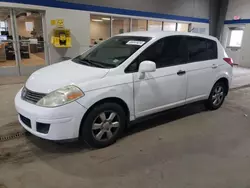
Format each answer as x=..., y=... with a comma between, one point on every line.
x=192, y=8
x=244, y=55
x=238, y=8
x=79, y=24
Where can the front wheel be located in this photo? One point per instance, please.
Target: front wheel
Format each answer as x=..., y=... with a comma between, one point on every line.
x=103, y=125
x=216, y=97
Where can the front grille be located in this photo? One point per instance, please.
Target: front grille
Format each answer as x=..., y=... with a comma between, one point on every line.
x=31, y=96
x=25, y=120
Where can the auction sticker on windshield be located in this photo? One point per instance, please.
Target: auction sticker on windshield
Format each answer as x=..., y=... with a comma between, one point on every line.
x=135, y=42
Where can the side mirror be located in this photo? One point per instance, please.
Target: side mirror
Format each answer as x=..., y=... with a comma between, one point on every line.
x=147, y=66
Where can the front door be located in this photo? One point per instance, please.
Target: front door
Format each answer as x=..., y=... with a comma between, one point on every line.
x=23, y=46
x=166, y=87
x=8, y=49
x=31, y=40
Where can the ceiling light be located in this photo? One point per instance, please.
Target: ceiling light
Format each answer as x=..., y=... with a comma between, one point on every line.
x=105, y=18
x=96, y=20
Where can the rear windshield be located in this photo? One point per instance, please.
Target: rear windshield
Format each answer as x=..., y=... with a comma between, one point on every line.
x=112, y=52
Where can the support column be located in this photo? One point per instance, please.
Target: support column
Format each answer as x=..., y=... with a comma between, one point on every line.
x=217, y=15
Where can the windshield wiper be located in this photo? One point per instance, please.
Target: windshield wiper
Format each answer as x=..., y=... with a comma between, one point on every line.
x=100, y=64
x=89, y=63
x=94, y=63
x=84, y=62
x=97, y=64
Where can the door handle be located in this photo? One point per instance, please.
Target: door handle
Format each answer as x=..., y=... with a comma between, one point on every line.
x=214, y=66
x=181, y=72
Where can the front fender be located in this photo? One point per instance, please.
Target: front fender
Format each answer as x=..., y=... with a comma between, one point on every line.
x=123, y=92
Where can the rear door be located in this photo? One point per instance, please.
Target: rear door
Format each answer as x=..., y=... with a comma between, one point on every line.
x=201, y=67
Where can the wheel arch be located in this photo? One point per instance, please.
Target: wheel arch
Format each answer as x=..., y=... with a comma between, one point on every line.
x=116, y=100
x=225, y=81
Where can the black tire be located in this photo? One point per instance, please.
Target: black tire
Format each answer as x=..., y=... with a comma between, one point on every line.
x=210, y=105
x=88, y=135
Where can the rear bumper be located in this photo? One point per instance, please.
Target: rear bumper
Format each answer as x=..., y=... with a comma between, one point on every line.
x=60, y=123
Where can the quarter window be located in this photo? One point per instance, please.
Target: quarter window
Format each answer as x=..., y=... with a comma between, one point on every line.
x=212, y=49
x=200, y=49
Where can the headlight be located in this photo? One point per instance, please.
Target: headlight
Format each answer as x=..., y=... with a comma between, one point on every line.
x=61, y=96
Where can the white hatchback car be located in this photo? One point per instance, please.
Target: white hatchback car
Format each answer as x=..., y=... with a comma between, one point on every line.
x=95, y=95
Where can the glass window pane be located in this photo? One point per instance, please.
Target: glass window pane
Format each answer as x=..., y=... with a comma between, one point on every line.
x=183, y=27
x=212, y=49
x=165, y=52
x=120, y=25
x=30, y=33
x=168, y=26
x=112, y=52
x=139, y=25
x=197, y=49
x=200, y=49
x=2, y=24
x=29, y=25
x=154, y=25
x=7, y=51
x=99, y=28
x=236, y=38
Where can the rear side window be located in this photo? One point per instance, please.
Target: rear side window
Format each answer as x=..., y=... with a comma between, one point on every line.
x=201, y=49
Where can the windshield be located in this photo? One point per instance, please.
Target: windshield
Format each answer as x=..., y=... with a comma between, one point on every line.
x=112, y=52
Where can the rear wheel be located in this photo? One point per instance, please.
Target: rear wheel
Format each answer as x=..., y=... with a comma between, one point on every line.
x=103, y=125
x=217, y=96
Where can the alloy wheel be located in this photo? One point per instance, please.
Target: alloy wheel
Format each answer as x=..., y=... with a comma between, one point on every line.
x=218, y=95
x=105, y=126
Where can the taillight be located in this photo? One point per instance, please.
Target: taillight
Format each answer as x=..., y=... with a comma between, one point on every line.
x=229, y=60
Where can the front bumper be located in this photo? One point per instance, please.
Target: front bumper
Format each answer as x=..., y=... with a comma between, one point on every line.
x=62, y=123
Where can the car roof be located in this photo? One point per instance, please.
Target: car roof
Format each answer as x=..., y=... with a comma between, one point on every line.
x=161, y=34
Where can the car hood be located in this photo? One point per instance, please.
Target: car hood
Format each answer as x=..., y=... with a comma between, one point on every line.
x=62, y=74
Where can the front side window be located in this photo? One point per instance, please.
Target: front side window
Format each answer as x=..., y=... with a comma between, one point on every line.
x=112, y=52
x=201, y=49
x=165, y=52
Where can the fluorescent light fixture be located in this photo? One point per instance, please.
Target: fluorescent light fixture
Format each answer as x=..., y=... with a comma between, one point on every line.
x=105, y=18
x=96, y=20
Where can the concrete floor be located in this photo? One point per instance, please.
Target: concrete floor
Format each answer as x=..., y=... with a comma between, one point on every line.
x=241, y=77
x=187, y=147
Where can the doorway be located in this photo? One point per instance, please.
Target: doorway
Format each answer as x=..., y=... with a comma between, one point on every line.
x=22, y=41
